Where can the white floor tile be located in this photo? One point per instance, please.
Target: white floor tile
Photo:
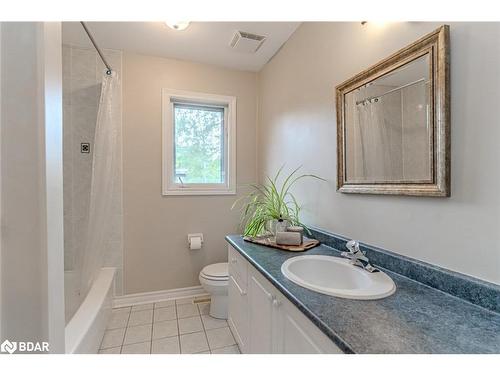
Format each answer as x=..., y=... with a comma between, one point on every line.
x=194, y=343
x=204, y=308
x=190, y=325
x=139, y=348
x=112, y=338
x=227, y=350
x=159, y=305
x=166, y=313
x=168, y=345
x=170, y=319
x=187, y=310
x=137, y=334
x=111, y=350
x=220, y=337
x=138, y=318
x=163, y=329
x=212, y=323
x=118, y=319
x=146, y=306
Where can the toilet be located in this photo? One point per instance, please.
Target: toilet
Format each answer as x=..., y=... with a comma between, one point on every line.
x=214, y=279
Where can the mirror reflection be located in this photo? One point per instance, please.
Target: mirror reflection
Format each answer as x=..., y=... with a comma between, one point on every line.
x=388, y=131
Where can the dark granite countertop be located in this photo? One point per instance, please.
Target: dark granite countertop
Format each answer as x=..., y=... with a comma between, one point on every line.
x=415, y=319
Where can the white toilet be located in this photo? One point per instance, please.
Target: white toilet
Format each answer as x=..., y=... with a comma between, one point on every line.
x=214, y=279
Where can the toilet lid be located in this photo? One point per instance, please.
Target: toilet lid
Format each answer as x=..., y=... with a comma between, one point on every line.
x=215, y=271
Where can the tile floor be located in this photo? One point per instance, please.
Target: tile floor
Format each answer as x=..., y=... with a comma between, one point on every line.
x=169, y=327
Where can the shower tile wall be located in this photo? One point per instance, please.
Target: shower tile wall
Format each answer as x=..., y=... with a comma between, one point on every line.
x=82, y=72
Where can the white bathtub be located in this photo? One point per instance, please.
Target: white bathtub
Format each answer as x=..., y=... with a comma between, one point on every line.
x=85, y=329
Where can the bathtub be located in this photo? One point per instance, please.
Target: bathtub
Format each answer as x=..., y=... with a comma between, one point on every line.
x=85, y=329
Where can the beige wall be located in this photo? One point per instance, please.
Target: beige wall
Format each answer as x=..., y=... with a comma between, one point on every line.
x=156, y=256
x=297, y=126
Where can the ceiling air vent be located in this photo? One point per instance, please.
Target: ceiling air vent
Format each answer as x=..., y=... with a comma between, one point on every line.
x=246, y=42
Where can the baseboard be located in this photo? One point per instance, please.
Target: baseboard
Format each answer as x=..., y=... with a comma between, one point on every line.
x=158, y=296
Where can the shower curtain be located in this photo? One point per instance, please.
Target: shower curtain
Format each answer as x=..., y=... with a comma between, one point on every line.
x=104, y=169
x=374, y=133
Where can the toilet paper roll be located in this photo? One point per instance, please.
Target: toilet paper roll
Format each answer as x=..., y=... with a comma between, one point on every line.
x=195, y=243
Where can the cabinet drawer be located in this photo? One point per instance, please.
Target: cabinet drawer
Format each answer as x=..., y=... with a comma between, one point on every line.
x=238, y=267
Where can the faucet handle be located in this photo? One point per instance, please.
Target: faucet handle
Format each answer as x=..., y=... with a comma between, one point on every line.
x=352, y=246
x=358, y=257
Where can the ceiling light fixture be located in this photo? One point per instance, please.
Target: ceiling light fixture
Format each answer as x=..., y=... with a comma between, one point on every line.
x=179, y=26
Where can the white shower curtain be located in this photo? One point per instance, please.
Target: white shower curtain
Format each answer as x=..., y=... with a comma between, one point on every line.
x=374, y=126
x=104, y=169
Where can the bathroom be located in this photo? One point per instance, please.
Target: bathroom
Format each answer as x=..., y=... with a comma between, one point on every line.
x=250, y=187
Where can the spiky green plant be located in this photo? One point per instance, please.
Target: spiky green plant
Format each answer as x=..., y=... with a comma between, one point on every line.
x=268, y=202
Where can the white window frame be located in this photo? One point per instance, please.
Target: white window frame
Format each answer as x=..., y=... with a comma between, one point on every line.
x=169, y=186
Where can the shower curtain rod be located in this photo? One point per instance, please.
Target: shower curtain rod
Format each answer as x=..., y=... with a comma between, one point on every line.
x=368, y=100
x=108, y=67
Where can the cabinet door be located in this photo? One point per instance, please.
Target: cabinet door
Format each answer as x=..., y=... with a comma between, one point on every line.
x=297, y=334
x=260, y=304
x=238, y=313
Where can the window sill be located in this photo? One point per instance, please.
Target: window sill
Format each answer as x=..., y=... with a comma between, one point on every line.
x=187, y=191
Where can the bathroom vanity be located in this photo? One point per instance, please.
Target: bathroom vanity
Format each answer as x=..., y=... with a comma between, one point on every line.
x=263, y=320
x=268, y=313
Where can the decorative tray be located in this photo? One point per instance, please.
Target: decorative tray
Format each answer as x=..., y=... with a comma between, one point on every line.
x=307, y=243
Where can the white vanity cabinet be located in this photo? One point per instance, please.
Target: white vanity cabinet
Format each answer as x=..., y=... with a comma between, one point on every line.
x=263, y=320
x=238, y=300
x=260, y=314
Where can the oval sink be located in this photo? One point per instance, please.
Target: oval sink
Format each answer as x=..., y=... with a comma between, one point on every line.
x=337, y=277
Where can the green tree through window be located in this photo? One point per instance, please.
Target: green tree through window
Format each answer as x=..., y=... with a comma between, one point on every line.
x=199, y=144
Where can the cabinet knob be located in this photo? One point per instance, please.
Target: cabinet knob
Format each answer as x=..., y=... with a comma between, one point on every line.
x=276, y=302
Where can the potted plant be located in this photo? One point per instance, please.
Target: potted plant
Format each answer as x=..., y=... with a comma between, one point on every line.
x=270, y=207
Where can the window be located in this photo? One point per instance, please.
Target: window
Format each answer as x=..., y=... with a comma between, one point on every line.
x=199, y=143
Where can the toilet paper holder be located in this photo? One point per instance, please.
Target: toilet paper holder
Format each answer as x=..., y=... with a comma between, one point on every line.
x=195, y=235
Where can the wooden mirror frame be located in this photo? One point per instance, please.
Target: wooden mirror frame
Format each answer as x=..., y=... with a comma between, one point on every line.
x=437, y=45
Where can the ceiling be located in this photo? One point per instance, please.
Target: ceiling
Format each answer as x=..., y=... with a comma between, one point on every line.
x=204, y=42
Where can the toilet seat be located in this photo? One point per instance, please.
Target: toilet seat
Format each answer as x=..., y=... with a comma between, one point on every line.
x=215, y=272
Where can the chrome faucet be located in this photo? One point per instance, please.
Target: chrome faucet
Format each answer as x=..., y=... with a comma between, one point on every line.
x=357, y=257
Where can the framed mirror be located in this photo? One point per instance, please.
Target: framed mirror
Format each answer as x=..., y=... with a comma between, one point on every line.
x=393, y=123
